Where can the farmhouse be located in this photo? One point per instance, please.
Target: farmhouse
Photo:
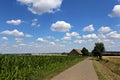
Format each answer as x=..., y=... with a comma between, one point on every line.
x=76, y=52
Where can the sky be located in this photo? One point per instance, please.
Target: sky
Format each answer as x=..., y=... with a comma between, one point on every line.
x=53, y=26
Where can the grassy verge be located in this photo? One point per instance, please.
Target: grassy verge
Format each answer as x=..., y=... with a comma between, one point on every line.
x=98, y=67
x=64, y=67
x=103, y=72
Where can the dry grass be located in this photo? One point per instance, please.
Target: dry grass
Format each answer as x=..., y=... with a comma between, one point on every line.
x=108, y=68
x=113, y=63
x=103, y=72
x=114, y=59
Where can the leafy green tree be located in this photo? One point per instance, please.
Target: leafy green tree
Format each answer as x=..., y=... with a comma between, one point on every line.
x=85, y=52
x=98, y=50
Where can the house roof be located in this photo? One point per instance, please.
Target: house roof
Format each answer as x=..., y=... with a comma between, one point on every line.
x=78, y=51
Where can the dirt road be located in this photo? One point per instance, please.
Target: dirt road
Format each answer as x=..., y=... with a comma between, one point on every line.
x=82, y=71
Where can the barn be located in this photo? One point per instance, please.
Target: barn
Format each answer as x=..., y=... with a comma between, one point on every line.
x=76, y=52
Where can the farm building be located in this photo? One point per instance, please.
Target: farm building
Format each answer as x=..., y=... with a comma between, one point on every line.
x=76, y=52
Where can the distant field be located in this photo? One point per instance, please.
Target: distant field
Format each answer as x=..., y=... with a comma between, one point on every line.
x=115, y=59
x=14, y=67
x=57, y=54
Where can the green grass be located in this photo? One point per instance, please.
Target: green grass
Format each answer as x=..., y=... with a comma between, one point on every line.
x=33, y=67
x=98, y=71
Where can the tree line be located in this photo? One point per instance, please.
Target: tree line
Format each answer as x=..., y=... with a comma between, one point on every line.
x=98, y=51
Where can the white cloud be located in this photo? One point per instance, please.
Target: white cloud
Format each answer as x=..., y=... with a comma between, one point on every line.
x=75, y=34
x=41, y=40
x=28, y=35
x=50, y=37
x=4, y=38
x=52, y=43
x=66, y=38
x=104, y=29
x=106, y=41
x=68, y=34
x=89, y=28
x=114, y=34
x=35, y=23
x=90, y=36
x=12, y=33
x=14, y=22
x=61, y=26
x=56, y=40
x=19, y=39
x=101, y=36
x=116, y=11
x=22, y=44
x=78, y=41
x=46, y=42
x=42, y=6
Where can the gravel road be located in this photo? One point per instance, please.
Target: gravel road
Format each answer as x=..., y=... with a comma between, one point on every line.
x=82, y=71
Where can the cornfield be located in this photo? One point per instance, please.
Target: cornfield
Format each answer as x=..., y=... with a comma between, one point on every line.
x=14, y=67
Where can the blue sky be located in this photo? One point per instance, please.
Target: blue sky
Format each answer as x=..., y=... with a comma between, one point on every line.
x=46, y=26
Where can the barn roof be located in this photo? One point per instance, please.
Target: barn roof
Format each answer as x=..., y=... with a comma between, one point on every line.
x=78, y=51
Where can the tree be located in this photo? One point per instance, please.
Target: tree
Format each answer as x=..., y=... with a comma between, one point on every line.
x=98, y=50
x=85, y=52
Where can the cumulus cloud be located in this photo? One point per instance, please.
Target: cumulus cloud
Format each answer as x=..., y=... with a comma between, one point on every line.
x=52, y=43
x=90, y=36
x=4, y=38
x=14, y=22
x=75, y=34
x=68, y=36
x=19, y=39
x=101, y=36
x=28, y=35
x=104, y=29
x=89, y=28
x=115, y=11
x=114, y=35
x=61, y=26
x=78, y=41
x=12, y=33
x=57, y=40
x=41, y=40
x=42, y=6
x=22, y=44
x=35, y=23
x=46, y=42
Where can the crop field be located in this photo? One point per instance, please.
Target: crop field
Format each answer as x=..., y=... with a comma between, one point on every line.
x=14, y=67
x=113, y=63
x=115, y=59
